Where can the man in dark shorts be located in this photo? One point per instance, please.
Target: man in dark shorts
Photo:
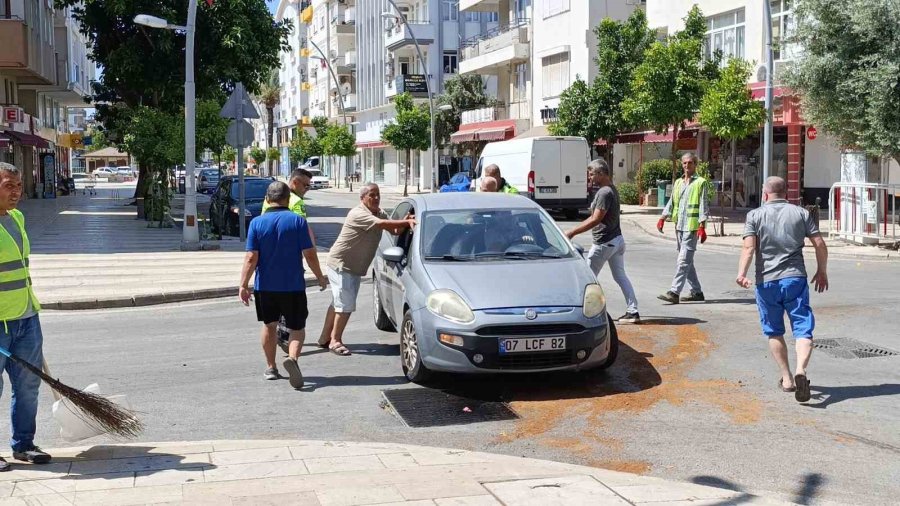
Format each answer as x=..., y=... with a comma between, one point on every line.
x=277, y=243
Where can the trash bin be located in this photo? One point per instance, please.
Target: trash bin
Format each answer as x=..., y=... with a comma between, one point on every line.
x=181, y=183
x=661, y=185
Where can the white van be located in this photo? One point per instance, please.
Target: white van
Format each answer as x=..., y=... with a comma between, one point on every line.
x=550, y=170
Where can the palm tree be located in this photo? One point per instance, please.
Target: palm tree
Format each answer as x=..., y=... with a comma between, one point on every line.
x=269, y=96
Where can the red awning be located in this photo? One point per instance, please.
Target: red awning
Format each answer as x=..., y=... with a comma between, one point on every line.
x=4, y=141
x=758, y=91
x=651, y=137
x=496, y=134
x=29, y=140
x=466, y=133
x=487, y=131
x=370, y=145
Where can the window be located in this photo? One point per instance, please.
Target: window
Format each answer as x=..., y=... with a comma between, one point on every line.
x=491, y=17
x=450, y=10
x=555, y=74
x=725, y=33
x=520, y=85
x=554, y=7
x=473, y=17
x=522, y=8
x=782, y=26
x=451, y=62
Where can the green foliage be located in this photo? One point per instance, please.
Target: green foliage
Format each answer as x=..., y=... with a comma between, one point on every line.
x=628, y=194
x=257, y=154
x=303, y=146
x=273, y=154
x=654, y=170
x=461, y=93
x=158, y=201
x=338, y=141
x=210, y=127
x=410, y=129
x=703, y=171
x=727, y=110
x=155, y=138
x=98, y=140
x=574, y=116
x=695, y=26
x=847, y=73
x=229, y=154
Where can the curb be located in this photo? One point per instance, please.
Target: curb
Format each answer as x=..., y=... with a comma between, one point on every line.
x=885, y=257
x=147, y=299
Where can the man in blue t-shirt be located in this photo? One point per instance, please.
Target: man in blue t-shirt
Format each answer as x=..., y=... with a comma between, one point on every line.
x=276, y=242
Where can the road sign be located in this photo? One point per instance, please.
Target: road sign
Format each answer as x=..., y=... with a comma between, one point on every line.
x=812, y=133
x=246, y=131
x=239, y=105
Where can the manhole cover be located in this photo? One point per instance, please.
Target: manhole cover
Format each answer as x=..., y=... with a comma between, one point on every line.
x=851, y=348
x=423, y=407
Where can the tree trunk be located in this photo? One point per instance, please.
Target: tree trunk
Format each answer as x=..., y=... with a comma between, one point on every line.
x=733, y=149
x=674, y=150
x=609, y=155
x=406, y=174
x=270, y=111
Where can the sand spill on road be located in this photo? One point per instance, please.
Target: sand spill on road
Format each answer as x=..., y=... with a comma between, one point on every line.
x=653, y=367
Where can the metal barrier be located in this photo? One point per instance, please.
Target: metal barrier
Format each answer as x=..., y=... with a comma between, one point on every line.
x=861, y=212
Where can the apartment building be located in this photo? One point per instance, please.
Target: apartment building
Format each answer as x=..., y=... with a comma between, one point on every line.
x=44, y=70
x=293, y=107
x=387, y=65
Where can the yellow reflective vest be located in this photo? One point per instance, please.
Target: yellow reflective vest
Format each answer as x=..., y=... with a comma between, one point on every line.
x=15, y=281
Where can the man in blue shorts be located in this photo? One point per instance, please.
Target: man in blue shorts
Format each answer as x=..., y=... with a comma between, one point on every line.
x=278, y=242
x=775, y=234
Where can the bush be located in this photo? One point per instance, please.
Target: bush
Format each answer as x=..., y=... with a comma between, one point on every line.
x=654, y=170
x=628, y=193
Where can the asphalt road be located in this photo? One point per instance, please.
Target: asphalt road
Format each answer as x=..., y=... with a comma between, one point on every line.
x=693, y=396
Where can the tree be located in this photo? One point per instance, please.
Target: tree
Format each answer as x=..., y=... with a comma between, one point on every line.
x=303, y=146
x=338, y=141
x=667, y=87
x=273, y=155
x=237, y=41
x=461, y=93
x=409, y=130
x=728, y=110
x=269, y=95
x=98, y=140
x=258, y=155
x=595, y=111
x=210, y=127
x=847, y=72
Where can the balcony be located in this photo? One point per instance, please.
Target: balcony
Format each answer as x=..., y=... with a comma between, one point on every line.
x=494, y=50
x=398, y=36
x=349, y=103
x=479, y=5
x=350, y=59
x=28, y=58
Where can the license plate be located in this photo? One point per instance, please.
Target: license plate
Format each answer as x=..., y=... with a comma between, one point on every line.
x=532, y=344
x=547, y=189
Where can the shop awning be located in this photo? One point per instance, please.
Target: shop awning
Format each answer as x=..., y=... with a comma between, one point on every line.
x=29, y=140
x=466, y=133
x=650, y=136
x=758, y=91
x=370, y=145
x=4, y=141
x=496, y=133
x=487, y=131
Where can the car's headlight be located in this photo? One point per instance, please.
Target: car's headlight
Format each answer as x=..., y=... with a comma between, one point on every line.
x=594, y=301
x=447, y=304
x=237, y=210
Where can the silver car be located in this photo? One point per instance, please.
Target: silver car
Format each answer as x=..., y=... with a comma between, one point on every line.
x=488, y=283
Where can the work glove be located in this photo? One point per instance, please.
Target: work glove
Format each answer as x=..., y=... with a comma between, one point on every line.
x=702, y=234
x=659, y=224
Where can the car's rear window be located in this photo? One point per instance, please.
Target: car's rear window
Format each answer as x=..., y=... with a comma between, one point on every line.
x=256, y=188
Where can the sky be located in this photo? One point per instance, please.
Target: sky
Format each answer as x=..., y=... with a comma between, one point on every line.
x=272, y=5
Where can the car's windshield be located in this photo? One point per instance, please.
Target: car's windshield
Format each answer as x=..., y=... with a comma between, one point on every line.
x=466, y=235
x=256, y=188
x=209, y=174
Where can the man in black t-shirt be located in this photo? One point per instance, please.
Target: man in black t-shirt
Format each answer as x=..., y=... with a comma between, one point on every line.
x=609, y=245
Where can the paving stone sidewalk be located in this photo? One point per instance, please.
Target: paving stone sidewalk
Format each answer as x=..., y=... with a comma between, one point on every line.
x=324, y=473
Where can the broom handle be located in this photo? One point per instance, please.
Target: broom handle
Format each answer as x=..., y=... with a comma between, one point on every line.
x=8, y=354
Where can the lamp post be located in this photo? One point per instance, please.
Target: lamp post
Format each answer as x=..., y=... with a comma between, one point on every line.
x=770, y=69
x=190, y=237
x=402, y=20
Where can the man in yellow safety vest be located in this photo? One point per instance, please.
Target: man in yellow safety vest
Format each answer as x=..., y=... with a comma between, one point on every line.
x=687, y=209
x=20, y=332
x=493, y=171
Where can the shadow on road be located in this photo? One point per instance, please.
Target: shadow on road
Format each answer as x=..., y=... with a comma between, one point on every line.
x=109, y=461
x=313, y=383
x=663, y=320
x=746, y=300
x=834, y=395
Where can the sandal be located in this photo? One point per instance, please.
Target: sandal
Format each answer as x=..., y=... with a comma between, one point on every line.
x=802, y=394
x=783, y=388
x=340, y=350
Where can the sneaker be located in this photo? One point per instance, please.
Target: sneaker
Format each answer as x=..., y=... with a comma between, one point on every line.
x=670, y=297
x=630, y=318
x=271, y=374
x=694, y=297
x=35, y=455
x=4, y=465
x=295, y=377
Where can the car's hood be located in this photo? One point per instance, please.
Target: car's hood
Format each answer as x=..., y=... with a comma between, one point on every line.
x=526, y=283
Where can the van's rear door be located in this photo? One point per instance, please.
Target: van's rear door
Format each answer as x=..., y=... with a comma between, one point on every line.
x=545, y=164
x=574, y=158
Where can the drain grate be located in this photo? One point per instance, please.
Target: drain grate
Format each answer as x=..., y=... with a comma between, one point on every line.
x=423, y=407
x=851, y=348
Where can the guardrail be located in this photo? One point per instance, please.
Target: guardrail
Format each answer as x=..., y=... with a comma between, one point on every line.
x=863, y=212
x=471, y=47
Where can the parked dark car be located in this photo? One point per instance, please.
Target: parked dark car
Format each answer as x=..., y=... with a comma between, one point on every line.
x=223, y=207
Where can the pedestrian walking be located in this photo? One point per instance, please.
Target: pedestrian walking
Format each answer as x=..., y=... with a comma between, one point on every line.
x=20, y=332
x=688, y=209
x=774, y=237
x=277, y=243
x=349, y=260
x=609, y=243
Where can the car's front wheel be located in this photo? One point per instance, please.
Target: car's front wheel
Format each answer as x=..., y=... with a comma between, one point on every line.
x=613, y=345
x=410, y=354
x=382, y=322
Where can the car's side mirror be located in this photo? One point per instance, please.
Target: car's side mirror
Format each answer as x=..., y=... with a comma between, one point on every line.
x=393, y=254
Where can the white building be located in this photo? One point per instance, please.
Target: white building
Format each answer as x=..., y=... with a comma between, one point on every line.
x=293, y=107
x=387, y=64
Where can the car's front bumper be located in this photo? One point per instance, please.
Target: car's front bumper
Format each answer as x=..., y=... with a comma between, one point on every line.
x=481, y=341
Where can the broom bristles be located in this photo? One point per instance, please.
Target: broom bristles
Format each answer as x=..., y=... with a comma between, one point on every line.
x=103, y=413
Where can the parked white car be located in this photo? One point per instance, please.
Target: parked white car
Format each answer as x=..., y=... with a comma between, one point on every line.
x=319, y=180
x=105, y=172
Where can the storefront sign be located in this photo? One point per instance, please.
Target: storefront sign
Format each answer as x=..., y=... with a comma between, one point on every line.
x=414, y=84
x=13, y=114
x=812, y=133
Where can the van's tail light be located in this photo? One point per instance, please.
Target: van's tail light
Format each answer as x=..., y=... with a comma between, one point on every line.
x=531, y=181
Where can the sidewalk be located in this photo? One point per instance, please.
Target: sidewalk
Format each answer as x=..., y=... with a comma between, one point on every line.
x=324, y=473
x=90, y=252
x=645, y=218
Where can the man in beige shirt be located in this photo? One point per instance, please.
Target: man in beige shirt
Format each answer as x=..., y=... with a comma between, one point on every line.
x=349, y=259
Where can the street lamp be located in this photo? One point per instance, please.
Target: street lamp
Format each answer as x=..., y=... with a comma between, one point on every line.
x=190, y=237
x=401, y=19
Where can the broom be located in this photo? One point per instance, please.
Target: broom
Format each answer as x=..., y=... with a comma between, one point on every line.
x=107, y=415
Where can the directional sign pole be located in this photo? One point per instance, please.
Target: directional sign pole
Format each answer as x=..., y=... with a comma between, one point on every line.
x=239, y=91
